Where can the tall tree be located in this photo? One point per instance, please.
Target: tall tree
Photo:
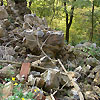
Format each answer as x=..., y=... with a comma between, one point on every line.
x=97, y=4
x=68, y=22
x=91, y=33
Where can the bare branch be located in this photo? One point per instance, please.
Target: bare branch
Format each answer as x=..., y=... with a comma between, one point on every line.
x=73, y=81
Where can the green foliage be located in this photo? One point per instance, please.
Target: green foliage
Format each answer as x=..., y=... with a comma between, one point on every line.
x=1, y=87
x=94, y=52
x=1, y=66
x=80, y=30
x=18, y=94
x=7, y=79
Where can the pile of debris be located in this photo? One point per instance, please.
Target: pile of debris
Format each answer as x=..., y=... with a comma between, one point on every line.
x=37, y=56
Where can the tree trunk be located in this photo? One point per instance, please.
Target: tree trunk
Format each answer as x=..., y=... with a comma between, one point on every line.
x=68, y=24
x=67, y=34
x=21, y=5
x=91, y=34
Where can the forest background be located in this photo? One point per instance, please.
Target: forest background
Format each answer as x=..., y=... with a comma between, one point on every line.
x=78, y=19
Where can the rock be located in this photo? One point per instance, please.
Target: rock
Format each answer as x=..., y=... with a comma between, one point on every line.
x=97, y=78
x=42, y=27
x=40, y=82
x=29, y=18
x=44, y=22
x=91, y=76
x=96, y=69
x=71, y=49
x=39, y=20
x=54, y=43
x=46, y=63
x=17, y=48
x=75, y=94
x=32, y=19
x=56, y=37
x=78, y=69
x=7, y=53
x=31, y=80
x=39, y=33
x=26, y=25
x=48, y=98
x=7, y=90
x=74, y=75
x=96, y=89
x=79, y=53
x=3, y=13
x=31, y=42
x=68, y=98
x=51, y=77
x=8, y=71
x=35, y=74
x=94, y=45
x=79, y=46
x=87, y=87
x=32, y=58
x=64, y=79
x=89, y=95
x=87, y=44
x=6, y=23
x=11, y=3
x=1, y=32
x=92, y=61
x=16, y=24
x=71, y=65
x=86, y=69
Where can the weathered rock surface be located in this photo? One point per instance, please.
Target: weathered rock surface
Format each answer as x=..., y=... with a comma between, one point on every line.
x=7, y=90
x=3, y=13
x=1, y=32
x=51, y=78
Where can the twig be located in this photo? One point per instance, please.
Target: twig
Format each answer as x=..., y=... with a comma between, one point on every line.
x=60, y=88
x=73, y=82
x=11, y=62
x=52, y=97
x=45, y=41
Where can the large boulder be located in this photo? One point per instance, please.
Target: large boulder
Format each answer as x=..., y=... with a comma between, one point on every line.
x=3, y=13
x=54, y=42
x=51, y=42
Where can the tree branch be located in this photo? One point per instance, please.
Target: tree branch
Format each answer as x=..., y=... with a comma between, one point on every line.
x=65, y=9
x=71, y=16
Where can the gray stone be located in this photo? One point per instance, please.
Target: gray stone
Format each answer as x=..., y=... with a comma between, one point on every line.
x=39, y=33
x=8, y=71
x=29, y=18
x=7, y=53
x=51, y=78
x=7, y=90
x=31, y=42
x=89, y=95
x=1, y=32
x=92, y=61
x=6, y=23
x=79, y=46
x=3, y=13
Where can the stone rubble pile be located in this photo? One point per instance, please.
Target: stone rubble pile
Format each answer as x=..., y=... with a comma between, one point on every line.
x=31, y=40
